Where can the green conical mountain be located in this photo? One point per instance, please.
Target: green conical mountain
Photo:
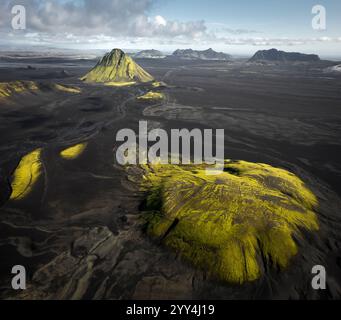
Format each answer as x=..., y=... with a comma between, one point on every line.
x=117, y=67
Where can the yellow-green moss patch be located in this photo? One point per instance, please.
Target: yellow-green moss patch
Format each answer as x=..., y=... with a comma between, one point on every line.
x=73, y=152
x=26, y=175
x=120, y=84
x=7, y=89
x=229, y=224
x=67, y=89
x=152, y=95
x=157, y=84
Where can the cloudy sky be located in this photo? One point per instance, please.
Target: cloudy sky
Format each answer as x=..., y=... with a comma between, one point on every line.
x=237, y=27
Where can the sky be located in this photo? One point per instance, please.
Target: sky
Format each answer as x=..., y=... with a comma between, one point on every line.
x=238, y=27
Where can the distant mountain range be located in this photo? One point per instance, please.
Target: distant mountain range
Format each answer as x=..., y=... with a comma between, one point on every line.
x=186, y=54
x=149, y=54
x=209, y=54
x=282, y=56
x=117, y=67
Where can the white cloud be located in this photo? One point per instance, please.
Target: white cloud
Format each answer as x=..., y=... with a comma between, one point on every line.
x=160, y=21
x=110, y=23
x=118, y=18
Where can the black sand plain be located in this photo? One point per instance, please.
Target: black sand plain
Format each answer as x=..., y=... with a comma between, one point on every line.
x=80, y=232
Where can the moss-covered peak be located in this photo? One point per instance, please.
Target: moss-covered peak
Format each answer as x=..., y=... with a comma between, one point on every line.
x=116, y=66
x=112, y=58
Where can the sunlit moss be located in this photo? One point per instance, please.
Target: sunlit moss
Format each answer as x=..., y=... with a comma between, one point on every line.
x=73, y=152
x=7, y=89
x=152, y=95
x=26, y=175
x=68, y=89
x=225, y=223
x=120, y=84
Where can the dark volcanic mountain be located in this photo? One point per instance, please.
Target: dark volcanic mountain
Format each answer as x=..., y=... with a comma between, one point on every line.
x=209, y=54
x=150, y=54
x=282, y=56
x=117, y=67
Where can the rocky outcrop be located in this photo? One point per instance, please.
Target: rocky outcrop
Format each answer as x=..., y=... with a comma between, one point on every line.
x=275, y=55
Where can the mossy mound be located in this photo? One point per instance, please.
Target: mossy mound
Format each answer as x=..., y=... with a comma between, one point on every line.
x=9, y=89
x=64, y=88
x=73, y=152
x=152, y=95
x=26, y=175
x=117, y=67
x=230, y=224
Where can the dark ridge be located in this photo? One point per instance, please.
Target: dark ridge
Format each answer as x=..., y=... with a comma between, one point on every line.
x=282, y=56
